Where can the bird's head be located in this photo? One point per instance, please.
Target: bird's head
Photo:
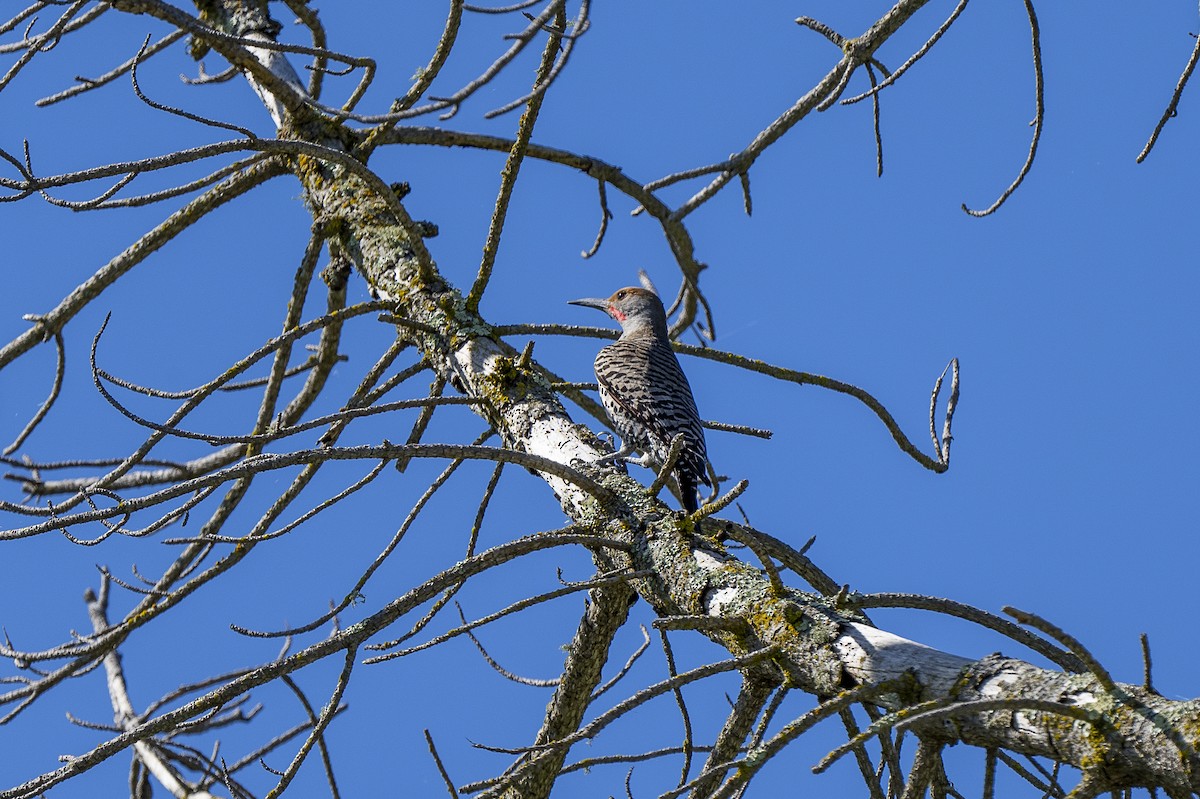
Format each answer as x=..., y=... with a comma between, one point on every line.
x=635, y=308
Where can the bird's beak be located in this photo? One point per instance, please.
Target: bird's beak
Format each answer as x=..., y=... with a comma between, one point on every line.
x=591, y=302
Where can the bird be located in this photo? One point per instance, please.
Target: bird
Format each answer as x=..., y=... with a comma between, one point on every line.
x=645, y=392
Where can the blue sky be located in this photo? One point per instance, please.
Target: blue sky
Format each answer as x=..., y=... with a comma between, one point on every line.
x=1072, y=310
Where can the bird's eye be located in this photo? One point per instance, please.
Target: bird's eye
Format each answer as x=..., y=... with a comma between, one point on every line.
x=621, y=294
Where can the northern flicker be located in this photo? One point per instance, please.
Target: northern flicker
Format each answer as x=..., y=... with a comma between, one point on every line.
x=647, y=397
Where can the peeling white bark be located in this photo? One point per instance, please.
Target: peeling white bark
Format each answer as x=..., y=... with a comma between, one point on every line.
x=280, y=67
x=871, y=655
x=538, y=430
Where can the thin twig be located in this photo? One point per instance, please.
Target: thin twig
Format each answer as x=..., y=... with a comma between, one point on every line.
x=605, y=215
x=1173, y=106
x=1147, y=666
x=60, y=365
x=512, y=167
x=449, y=783
x=1039, y=116
x=686, y=745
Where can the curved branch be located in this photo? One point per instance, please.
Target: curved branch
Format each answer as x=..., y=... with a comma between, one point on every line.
x=675, y=231
x=1039, y=115
x=87, y=84
x=939, y=464
x=60, y=365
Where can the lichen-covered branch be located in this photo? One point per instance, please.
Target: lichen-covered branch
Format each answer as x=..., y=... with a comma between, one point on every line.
x=819, y=648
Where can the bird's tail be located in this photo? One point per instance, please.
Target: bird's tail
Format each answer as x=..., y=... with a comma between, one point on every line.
x=687, y=492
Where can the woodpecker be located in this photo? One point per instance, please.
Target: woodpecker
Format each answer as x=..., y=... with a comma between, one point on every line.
x=647, y=397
